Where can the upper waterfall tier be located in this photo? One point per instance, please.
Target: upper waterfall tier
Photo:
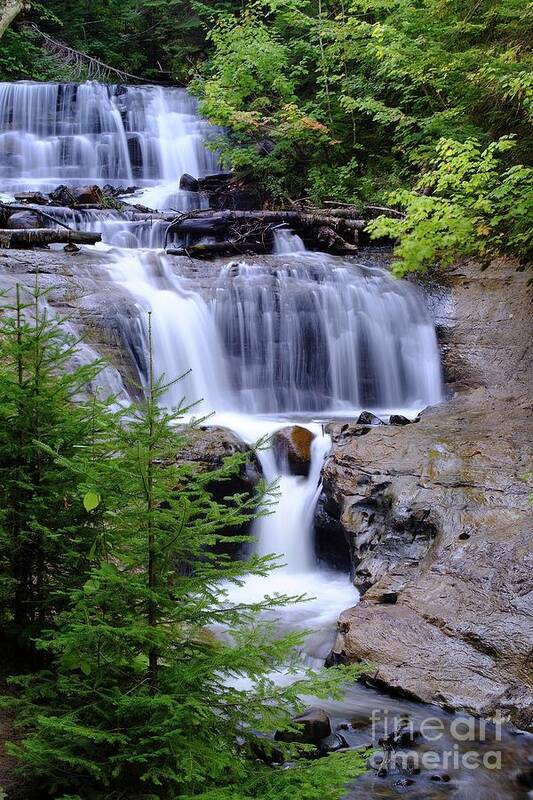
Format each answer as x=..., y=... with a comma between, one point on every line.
x=96, y=133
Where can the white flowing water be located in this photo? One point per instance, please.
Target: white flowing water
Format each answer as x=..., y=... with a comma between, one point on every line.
x=294, y=337
x=90, y=133
x=273, y=343
x=70, y=133
x=285, y=242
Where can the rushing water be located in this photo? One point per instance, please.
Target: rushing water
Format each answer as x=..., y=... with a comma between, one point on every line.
x=315, y=336
x=293, y=337
x=92, y=133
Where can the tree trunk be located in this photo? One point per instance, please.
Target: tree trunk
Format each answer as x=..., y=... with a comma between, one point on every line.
x=22, y=238
x=9, y=10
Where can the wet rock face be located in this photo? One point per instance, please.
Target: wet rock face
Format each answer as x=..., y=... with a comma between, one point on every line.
x=292, y=448
x=382, y=525
x=23, y=220
x=437, y=521
x=315, y=726
x=207, y=449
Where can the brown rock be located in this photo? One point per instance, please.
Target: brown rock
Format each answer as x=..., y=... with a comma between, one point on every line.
x=437, y=519
x=315, y=726
x=31, y=197
x=90, y=195
x=292, y=447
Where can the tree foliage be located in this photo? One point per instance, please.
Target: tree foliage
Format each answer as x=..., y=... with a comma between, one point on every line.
x=470, y=204
x=45, y=535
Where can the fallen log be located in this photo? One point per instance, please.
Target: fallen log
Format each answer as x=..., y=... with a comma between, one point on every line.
x=292, y=217
x=22, y=238
x=230, y=225
x=214, y=249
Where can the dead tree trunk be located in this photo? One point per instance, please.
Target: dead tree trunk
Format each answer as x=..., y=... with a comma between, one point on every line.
x=22, y=238
x=9, y=10
x=252, y=231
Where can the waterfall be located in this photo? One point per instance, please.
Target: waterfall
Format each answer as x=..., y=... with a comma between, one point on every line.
x=297, y=336
x=325, y=335
x=319, y=337
x=92, y=133
x=286, y=241
x=272, y=342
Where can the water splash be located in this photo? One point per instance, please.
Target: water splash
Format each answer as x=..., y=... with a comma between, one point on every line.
x=287, y=242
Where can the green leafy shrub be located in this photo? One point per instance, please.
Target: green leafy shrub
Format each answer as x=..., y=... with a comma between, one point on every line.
x=470, y=203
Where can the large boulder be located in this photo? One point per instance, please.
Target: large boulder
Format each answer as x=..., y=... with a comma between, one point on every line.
x=437, y=520
x=188, y=183
x=208, y=447
x=23, y=220
x=292, y=448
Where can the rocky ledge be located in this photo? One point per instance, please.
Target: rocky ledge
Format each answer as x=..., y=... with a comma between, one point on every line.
x=436, y=515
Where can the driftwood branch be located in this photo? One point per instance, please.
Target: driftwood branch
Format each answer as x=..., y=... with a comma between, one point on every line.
x=387, y=210
x=22, y=238
x=78, y=60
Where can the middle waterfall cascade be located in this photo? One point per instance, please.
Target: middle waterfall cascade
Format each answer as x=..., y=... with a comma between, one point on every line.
x=313, y=335
x=298, y=336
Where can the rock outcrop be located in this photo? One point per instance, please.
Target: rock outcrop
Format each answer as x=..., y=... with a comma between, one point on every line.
x=208, y=447
x=437, y=520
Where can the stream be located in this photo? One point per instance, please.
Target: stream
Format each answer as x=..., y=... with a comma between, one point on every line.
x=293, y=338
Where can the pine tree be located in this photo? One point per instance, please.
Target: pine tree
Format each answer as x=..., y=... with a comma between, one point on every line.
x=158, y=686
x=44, y=529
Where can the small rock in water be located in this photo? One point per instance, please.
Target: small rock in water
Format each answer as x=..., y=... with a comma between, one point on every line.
x=62, y=196
x=368, y=418
x=78, y=195
x=23, y=220
x=292, y=448
x=316, y=726
x=333, y=742
x=87, y=195
x=31, y=197
x=398, y=419
x=188, y=183
x=442, y=777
